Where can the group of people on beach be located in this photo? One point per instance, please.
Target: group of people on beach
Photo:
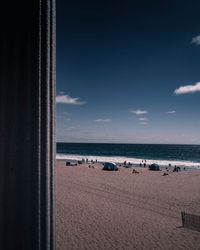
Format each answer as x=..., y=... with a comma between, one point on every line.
x=144, y=163
x=175, y=169
x=90, y=166
x=126, y=164
x=129, y=164
x=87, y=161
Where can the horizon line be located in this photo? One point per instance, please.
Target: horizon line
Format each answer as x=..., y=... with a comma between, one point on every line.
x=132, y=143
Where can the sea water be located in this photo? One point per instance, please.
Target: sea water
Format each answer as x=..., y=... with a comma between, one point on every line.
x=162, y=154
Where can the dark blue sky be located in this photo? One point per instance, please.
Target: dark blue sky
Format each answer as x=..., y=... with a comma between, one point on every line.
x=118, y=65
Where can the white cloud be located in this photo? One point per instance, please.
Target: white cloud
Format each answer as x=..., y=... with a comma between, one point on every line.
x=143, y=119
x=171, y=112
x=196, y=40
x=103, y=120
x=138, y=112
x=66, y=99
x=187, y=89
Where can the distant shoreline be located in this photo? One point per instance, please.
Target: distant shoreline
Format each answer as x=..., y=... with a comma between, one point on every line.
x=132, y=165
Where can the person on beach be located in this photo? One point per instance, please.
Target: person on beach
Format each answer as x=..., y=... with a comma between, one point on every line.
x=135, y=171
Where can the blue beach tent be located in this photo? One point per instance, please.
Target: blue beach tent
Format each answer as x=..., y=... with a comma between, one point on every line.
x=154, y=167
x=110, y=166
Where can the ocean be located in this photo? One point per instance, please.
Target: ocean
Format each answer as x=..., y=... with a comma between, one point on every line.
x=162, y=154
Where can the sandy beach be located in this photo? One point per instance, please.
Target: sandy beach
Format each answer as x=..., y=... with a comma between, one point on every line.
x=119, y=210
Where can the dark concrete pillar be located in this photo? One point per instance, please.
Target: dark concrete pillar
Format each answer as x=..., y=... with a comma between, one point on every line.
x=27, y=146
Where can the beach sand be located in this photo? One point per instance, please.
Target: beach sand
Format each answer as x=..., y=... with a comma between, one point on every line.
x=119, y=210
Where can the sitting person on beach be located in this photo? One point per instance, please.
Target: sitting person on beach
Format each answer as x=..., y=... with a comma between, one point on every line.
x=135, y=171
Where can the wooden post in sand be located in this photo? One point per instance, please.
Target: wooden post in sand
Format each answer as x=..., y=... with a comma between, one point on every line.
x=27, y=149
